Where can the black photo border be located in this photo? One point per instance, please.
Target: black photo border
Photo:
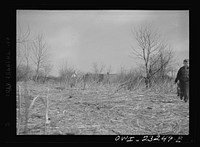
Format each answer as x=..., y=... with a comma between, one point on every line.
x=9, y=77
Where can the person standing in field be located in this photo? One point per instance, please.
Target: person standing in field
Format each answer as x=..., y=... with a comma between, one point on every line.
x=73, y=80
x=183, y=78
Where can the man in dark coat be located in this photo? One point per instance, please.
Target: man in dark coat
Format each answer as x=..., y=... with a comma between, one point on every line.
x=183, y=78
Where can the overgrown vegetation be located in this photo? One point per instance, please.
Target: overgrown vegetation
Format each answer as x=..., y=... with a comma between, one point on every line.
x=39, y=94
x=102, y=109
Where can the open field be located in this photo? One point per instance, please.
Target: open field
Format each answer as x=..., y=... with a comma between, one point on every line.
x=99, y=110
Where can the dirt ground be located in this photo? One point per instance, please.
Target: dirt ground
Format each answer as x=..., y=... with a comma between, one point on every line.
x=100, y=111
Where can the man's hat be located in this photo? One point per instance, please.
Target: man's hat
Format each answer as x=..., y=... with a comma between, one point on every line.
x=186, y=60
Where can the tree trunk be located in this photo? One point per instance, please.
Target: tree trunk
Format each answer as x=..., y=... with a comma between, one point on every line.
x=36, y=74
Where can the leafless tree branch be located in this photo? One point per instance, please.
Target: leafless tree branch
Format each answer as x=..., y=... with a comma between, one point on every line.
x=39, y=53
x=151, y=50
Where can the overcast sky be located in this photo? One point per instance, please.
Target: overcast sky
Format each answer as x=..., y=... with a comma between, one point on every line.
x=102, y=36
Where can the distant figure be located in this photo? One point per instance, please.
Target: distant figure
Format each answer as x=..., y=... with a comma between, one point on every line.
x=183, y=78
x=85, y=78
x=73, y=80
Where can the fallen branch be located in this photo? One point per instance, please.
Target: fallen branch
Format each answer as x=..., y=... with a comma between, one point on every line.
x=33, y=102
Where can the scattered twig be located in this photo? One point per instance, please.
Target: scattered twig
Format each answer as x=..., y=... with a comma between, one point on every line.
x=115, y=132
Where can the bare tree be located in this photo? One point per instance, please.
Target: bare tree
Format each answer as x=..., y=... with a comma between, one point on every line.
x=161, y=64
x=40, y=54
x=23, y=37
x=20, y=56
x=23, y=65
x=98, y=69
x=23, y=53
x=151, y=49
x=47, y=69
x=95, y=68
x=65, y=72
x=27, y=60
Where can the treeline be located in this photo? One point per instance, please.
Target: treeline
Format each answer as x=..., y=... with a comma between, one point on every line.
x=155, y=55
x=33, y=56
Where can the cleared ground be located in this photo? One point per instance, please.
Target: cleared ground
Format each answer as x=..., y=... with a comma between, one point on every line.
x=99, y=110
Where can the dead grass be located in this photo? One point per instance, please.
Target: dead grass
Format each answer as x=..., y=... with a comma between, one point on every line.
x=100, y=110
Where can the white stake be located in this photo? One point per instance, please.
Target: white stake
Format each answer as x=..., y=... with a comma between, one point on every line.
x=19, y=111
x=47, y=109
